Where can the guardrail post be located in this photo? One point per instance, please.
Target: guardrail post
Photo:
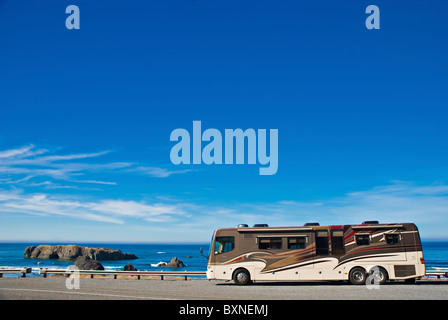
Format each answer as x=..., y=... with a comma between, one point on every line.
x=43, y=272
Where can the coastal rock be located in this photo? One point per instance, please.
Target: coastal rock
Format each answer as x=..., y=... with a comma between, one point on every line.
x=175, y=263
x=86, y=263
x=28, y=251
x=129, y=267
x=71, y=252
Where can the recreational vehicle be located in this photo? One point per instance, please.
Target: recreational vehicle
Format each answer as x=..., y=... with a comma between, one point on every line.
x=311, y=252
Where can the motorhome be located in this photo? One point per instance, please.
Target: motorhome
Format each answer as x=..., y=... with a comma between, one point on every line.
x=370, y=250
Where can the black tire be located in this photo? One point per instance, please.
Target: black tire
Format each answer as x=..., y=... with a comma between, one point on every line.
x=379, y=275
x=357, y=276
x=241, y=277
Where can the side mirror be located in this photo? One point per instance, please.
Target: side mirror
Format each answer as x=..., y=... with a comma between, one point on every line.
x=202, y=254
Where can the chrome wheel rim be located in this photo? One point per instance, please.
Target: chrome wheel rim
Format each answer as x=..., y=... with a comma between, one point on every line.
x=358, y=276
x=242, y=277
x=378, y=276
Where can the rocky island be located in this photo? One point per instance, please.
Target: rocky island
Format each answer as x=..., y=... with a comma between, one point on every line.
x=72, y=252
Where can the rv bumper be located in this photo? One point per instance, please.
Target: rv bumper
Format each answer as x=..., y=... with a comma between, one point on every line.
x=210, y=273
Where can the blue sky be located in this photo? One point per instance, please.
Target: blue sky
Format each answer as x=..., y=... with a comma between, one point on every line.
x=86, y=116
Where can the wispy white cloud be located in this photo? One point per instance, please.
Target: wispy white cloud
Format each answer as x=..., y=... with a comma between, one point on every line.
x=76, y=207
x=72, y=156
x=96, y=182
x=425, y=205
x=28, y=166
x=24, y=165
x=15, y=152
x=158, y=172
x=141, y=210
x=28, y=162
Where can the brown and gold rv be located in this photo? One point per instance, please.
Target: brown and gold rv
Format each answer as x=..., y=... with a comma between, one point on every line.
x=355, y=253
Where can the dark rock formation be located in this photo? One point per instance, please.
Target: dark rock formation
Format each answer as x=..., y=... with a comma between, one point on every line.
x=175, y=263
x=71, y=252
x=129, y=267
x=28, y=251
x=86, y=263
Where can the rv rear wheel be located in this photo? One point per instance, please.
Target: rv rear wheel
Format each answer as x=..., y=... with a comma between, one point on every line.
x=241, y=277
x=378, y=275
x=357, y=276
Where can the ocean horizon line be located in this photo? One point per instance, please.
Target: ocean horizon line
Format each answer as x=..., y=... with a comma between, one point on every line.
x=102, y=242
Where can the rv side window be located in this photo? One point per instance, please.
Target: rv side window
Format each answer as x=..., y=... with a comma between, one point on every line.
x=297, y=243
x=322, y=245
x=337, y=242
x=393, y=238
x=362, y=239
x=269, y=243
x=224, y=244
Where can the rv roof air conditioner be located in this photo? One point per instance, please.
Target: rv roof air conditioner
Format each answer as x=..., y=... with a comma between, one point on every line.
x=260, y=225
x=370, y=222
x=309, y=224
x=242, y=225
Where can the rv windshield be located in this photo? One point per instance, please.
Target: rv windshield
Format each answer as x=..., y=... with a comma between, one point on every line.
x=224, y=244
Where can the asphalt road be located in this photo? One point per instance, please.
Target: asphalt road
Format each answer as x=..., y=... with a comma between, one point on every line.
x=36, y=288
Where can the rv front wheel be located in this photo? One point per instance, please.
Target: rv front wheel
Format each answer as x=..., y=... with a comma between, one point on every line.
x=357, y=276
x=241, y=277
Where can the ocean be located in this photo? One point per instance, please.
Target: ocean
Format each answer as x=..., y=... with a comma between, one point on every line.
x=149, y=255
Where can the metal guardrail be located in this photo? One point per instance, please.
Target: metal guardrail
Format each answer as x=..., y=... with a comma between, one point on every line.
x=23, y=271
x=437, y=273
x=45, y=271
